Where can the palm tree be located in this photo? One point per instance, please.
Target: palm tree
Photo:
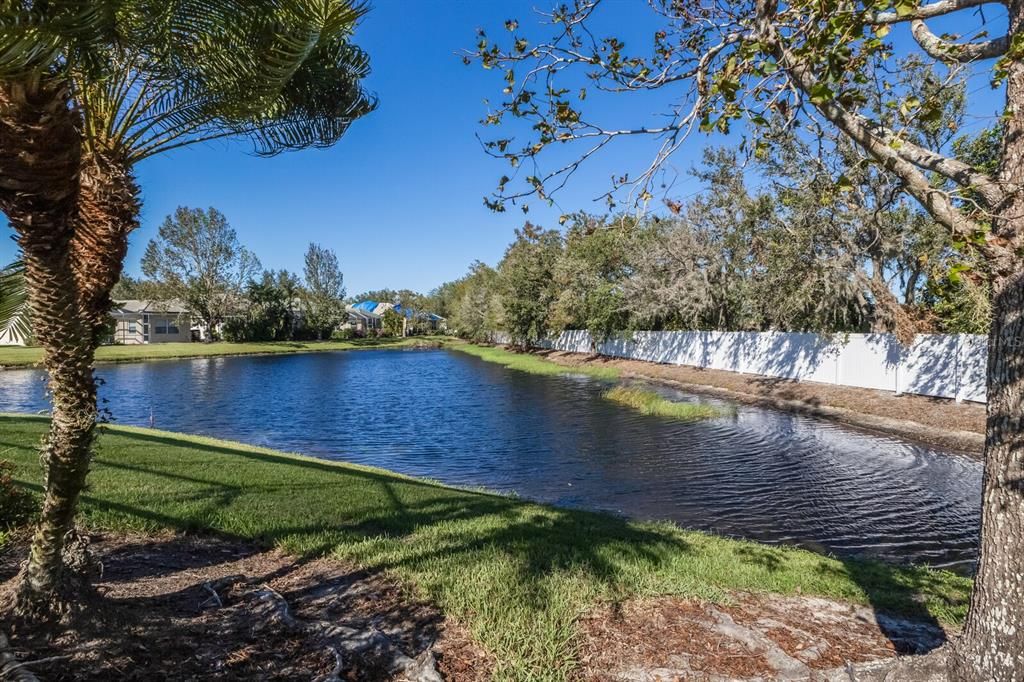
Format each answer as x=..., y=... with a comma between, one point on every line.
x=89, y=88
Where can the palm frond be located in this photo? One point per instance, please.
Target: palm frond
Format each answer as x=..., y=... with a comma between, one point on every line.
x=14, y=313
x=283, y=73
x=153, y=75
x=36, y=35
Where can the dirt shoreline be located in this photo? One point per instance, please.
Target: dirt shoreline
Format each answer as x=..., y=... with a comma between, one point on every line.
x=935, y=421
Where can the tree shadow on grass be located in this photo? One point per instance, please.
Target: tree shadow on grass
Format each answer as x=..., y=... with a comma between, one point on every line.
x=389, y=523
x=416, y=524
x=901, y=612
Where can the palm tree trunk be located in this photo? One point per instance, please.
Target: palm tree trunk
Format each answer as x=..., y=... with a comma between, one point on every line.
x=992, y=644
x=40, y=158
x=72, y=218
x=108, y=207
x=70, y=290
x=67, y=340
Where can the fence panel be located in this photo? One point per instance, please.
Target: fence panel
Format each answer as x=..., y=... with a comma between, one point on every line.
x=940, y=365
x=869, y=361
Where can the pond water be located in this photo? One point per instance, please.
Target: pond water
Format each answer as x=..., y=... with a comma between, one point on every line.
x=757, y=473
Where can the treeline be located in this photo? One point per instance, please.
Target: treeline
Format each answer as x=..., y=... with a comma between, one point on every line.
x=822, y=245
x=197, y=259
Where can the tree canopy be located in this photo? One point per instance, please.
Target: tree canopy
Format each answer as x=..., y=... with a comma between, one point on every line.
x=830, y=73
x=197, y=258
x=324, y=294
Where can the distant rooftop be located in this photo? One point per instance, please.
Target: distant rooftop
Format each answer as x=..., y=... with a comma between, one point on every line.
x=135, y=306
x=361, y=312
x=365, y=306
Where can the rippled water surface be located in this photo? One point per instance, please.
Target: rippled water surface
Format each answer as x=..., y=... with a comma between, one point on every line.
x=762, y=474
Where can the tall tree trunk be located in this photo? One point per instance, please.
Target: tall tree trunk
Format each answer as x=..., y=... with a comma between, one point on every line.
x=992, y=644
x=108, y=209
x=72, y=217
x=67, y=341
x=40, y=158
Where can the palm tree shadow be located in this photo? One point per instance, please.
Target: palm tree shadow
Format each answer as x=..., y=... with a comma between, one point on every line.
x=422, y=526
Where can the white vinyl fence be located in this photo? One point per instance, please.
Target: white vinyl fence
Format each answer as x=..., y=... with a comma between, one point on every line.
x=940, y=365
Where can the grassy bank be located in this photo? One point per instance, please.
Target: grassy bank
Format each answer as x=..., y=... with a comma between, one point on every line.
x=18, y=356
x=653, y=404
x=644, y=401
x=517, y=574
x=524, y=362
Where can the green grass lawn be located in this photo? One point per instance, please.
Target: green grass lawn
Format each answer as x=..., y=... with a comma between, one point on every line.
x=519, y=575
x=15, y=356
x=524, y=362
x=653, y=404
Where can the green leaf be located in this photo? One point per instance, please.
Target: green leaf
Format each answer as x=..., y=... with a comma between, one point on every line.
x=821, y=93
x=905, y=8
x=932, y=114
x=909, y=104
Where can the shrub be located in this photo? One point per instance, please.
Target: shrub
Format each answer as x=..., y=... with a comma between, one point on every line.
x=391, y=323
x=343, y=334
x=235, y=330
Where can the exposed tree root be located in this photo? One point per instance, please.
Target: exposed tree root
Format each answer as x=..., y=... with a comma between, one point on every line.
x=804, y=639
x=931, y=667
x=10, y=669
x=341, y=641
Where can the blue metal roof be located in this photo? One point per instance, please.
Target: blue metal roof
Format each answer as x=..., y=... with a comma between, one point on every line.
x=370, y=306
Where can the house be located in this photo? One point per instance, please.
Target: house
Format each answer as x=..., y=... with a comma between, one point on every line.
x=138, y=322
x=421, y=320
x=360, y=319
x=436, y=322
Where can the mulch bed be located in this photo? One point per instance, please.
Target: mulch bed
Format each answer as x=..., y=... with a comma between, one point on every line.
x=157, y=621
x=753, y=637
x=663, y=634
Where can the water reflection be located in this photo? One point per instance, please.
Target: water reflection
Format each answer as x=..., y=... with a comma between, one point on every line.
x=762, y=474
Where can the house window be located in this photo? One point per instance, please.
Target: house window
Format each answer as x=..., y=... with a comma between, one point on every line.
x=131, y=327
x=171, y=329
x=161, y=327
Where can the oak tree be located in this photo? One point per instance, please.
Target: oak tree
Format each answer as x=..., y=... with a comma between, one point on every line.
x=725, y=66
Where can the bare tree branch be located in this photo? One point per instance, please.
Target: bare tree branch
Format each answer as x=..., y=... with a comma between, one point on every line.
x=948, y=51
x=873, y=138
x=927, y=11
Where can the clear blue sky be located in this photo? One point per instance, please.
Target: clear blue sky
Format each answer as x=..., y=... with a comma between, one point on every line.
x=400, y=197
